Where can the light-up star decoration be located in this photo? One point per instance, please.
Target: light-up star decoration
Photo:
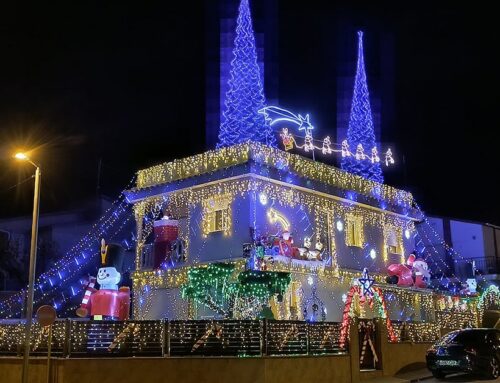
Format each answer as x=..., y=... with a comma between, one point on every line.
x=275, y=115
x=366, y=283
x=305, y=124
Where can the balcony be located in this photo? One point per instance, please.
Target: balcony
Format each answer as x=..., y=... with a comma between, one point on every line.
x=483, y=266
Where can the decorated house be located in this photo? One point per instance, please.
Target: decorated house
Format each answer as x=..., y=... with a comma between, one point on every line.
x=251, y=231
x=265, y=210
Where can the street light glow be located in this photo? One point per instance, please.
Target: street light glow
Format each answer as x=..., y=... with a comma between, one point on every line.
x=21, y=156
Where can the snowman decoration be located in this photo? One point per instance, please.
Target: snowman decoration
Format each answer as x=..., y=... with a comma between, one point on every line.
x=109, y=301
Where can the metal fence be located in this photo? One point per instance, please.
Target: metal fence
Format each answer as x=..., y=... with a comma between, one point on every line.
x=236, y=338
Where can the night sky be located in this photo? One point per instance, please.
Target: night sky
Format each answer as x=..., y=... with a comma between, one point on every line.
x=126, y=85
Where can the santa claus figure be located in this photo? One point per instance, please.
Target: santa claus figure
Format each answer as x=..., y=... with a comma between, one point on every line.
x=414, y=273
x=421, y=271
x=109, y=302
x=400, y=273
x=286, y=244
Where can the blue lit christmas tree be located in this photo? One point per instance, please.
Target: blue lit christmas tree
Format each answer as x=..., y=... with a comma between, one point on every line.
x=361, y=129
x=241, y=121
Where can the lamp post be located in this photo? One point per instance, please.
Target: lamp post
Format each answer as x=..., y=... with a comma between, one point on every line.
x=31, y=278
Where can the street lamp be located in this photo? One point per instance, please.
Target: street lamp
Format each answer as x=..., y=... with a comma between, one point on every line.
x=34, y=236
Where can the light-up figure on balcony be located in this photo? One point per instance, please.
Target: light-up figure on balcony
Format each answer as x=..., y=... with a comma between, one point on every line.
x=287, y=139
x=327, y=145
x=375, y=158
x=360, y=152
x=308, y=142
x=345, y=149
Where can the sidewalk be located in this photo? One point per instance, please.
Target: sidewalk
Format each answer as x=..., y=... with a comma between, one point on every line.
x=407, y=377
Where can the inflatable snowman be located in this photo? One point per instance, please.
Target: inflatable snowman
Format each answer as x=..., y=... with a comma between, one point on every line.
x=109, y=301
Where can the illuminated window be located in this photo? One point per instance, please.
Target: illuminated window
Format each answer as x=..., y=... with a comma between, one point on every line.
x=354, y=230
x=218, y=220
x=394, y=239
x=217, y=215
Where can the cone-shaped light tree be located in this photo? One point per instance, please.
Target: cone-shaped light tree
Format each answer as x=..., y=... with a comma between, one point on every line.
x=241, y=120
x=361, y=129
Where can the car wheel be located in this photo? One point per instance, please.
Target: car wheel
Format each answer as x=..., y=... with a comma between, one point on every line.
x=438, y=374
x=494, y=368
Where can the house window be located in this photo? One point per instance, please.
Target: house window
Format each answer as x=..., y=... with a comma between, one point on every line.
x=217, y=215
x=394, y=240
x=217, y=220
x=354, y=231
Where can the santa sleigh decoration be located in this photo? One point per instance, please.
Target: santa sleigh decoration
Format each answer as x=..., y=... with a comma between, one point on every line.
x=109, y=301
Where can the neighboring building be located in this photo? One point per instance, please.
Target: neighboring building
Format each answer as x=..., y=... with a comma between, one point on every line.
x=476, y=245
x=224, y=204
x=57, y=233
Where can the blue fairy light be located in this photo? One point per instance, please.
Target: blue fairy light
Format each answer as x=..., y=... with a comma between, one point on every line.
x=361, y=130
x=241, y=120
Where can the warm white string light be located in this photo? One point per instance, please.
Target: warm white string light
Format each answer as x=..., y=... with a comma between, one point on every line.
x=326, y=146
x=275, y=115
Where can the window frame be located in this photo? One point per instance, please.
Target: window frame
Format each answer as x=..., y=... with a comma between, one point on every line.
x=216, y=216
x=398, y=235
x=354, y=231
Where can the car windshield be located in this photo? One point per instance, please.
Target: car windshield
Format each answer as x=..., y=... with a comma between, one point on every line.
x=464, y=337
x=448, y=338
x=470, y=337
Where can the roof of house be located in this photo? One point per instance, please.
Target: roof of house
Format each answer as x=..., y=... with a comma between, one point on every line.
x=257, y=158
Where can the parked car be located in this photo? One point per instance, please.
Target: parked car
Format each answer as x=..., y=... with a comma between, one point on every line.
x=470, y=350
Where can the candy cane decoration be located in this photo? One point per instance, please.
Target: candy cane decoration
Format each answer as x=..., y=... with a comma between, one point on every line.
x=292, y=332
x=214, y=329
x=89, y=290
x=367, y=341
x=328, y=337
x=120, y=337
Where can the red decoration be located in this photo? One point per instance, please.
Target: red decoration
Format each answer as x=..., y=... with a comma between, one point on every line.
x=166, y=232
x=344, y=331
x=388, y=323
x=414, y=273
x=90, y=289
x=403, y=272
x=113, y=303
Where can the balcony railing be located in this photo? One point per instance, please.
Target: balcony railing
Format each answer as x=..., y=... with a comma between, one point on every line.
x=231, y=338
x=483, y=265
x=147, y=260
